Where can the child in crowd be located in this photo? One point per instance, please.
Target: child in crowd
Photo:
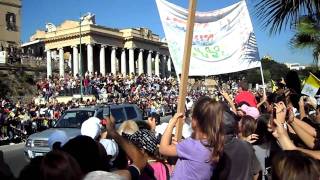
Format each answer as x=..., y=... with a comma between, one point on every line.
x=197, y=155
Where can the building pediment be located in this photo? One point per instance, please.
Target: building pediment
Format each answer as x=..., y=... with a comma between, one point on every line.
x=68, y=24
x=38, y=35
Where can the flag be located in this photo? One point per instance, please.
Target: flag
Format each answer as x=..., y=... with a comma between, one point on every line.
x=274, y=86
x=311, y=86
x=223, y=40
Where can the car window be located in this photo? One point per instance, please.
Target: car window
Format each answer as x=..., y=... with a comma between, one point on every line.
x=131, y=113
x=118, y=114
x=106, y=111
x=100, y=114
x=73, y=119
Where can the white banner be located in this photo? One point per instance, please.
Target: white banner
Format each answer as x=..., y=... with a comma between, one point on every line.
x=223, y=40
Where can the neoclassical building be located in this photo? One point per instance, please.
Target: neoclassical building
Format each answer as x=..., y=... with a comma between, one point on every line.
x=103, y=49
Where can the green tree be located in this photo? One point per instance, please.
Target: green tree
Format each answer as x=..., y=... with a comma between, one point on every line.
x=308, y=36
x=277, y=70
x=271, y=70
x=278, y=14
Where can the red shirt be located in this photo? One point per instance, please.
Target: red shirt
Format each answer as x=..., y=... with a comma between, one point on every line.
x=246, y=96
x=86, y=82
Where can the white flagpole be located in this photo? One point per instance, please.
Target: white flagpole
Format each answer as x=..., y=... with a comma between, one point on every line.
x=262, y=78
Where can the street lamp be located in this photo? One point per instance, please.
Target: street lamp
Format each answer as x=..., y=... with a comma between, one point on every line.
x=80, y=61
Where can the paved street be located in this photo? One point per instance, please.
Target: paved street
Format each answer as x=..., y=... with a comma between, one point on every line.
x=13, y=156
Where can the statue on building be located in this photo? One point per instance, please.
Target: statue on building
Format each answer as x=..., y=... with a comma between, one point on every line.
x=51, y=27
x=146, y=33
x=11, y=21
x=89, y=18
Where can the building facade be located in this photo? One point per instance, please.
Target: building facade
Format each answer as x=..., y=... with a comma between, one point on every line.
x=92, y=48
x=295, y=66
x=10, y=24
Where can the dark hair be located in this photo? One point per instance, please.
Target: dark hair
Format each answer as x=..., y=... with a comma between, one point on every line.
x=293, y=81
x=209, y=116
x=230, y=124
x=248, y=125
x=86, y=151
x=262, y=129
x=59, y=165
x=244, y=85
x=31, y=170
x=242, y=103
x=294, y=165
x=275, y=98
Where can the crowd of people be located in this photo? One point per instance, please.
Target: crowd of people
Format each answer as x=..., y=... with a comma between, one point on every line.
x=231, y=132
x=150, y=93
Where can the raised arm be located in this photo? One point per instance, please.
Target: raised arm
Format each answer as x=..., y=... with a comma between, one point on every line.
x=131, y=150
x=301, y=107
x=230, y=102
x=312, y=153
x=166, y=148
x=305, y=132
x=264, y=99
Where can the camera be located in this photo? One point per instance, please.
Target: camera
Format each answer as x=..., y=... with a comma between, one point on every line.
x=274, y=113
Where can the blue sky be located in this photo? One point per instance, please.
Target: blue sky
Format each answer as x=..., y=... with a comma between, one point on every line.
x=144, y=13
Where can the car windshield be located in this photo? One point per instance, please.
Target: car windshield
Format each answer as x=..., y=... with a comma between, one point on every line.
x=73, y=119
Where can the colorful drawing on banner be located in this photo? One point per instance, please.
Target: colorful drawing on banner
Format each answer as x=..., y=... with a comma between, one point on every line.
x=219, y=36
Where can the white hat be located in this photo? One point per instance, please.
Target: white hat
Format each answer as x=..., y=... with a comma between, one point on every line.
x=97, y=175
x=186, y=129
x=91, y=127
x=111, y=148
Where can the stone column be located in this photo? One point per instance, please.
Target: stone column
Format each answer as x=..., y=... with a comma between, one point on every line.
x=140, y=62
x=123, y=62
x=131, y=61
x=169, y=66
x=113, y=61
x=103, y=60
x=149, y=63
x=49, y=63
x=156, y=65
x=90, y=58
x=80, y=65
x=163, y=64
x=75, y=61
x=61, y=62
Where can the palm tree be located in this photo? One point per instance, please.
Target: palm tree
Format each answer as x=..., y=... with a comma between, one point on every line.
x=308, y=35
x=278, y=14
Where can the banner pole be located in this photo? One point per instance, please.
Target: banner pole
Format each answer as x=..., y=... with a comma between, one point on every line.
x=185, y=66
x=262, y=78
